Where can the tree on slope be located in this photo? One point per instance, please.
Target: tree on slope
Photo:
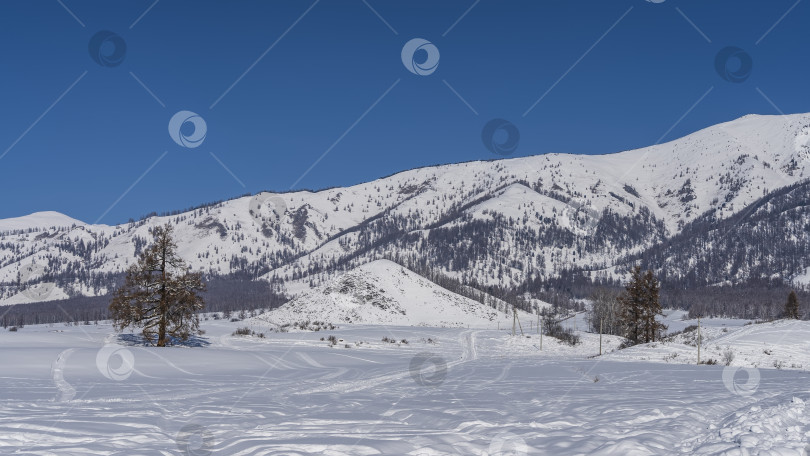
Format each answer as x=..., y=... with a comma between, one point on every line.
x=792, y=306
x=640, y=306
x=159, y=294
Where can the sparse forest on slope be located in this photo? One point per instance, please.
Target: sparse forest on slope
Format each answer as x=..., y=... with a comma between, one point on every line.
x=723, y=206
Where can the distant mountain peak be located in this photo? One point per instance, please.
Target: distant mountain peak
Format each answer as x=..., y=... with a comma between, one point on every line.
x=39, y=220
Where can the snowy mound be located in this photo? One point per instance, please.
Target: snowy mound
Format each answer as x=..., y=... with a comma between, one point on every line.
x=783, y=344
x=40, y=292
x=39, y=220
x=384, y=293
x=777, y=429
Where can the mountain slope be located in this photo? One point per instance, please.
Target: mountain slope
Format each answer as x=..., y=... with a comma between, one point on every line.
x=385, y=293
x=491, y=223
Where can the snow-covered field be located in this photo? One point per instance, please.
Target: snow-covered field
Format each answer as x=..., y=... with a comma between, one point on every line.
x=448, y=391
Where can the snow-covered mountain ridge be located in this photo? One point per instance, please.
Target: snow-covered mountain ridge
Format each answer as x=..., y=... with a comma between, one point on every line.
x=488, y=222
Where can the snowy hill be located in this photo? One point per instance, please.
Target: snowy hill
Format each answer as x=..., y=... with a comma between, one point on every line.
x=385, y=293
x=783, y=344
x=39, y=221
x=492, y=223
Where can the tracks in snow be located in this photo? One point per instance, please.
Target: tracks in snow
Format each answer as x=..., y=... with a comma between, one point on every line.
x=469, y=353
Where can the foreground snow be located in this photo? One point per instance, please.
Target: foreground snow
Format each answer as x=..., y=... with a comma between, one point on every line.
x=448, y=391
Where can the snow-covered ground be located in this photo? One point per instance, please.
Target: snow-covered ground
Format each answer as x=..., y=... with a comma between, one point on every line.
x=780, y=345
x=448, y=391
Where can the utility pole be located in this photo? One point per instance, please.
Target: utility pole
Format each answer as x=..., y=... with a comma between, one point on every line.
x=698, y=339
x=520, y=326
x=600, y=337
x=514, y=319
x=541, y=333
x=538, y=321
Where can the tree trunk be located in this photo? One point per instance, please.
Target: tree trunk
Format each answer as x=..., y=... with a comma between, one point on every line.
x=162, y=332
x=164, y=305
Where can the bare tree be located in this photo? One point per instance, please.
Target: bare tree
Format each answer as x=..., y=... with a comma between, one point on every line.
x=604, y=314
x=159, y=294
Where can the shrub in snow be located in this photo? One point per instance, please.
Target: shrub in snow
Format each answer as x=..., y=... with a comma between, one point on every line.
x=242, y=332
x=626, y=343
x=555, y=329
x=728, y=356
x=247, y=332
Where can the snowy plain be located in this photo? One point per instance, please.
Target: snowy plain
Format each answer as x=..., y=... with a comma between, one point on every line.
x=82, y=390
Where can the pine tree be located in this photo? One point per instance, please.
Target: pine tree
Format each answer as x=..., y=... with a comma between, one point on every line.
x=640, y=306
x=159, y=294
x=632, y=305
x=792, y=306
x=652, y=308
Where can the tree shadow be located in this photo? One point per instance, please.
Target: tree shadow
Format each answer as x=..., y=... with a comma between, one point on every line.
x=138, y=340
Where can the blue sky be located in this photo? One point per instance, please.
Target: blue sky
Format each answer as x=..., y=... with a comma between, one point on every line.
x=280, y=84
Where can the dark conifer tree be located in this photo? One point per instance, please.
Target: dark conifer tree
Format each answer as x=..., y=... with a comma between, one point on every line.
x=640, y=306
x=652, y=308
x=792, y=306
x=159, y=294
x=632, y=306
